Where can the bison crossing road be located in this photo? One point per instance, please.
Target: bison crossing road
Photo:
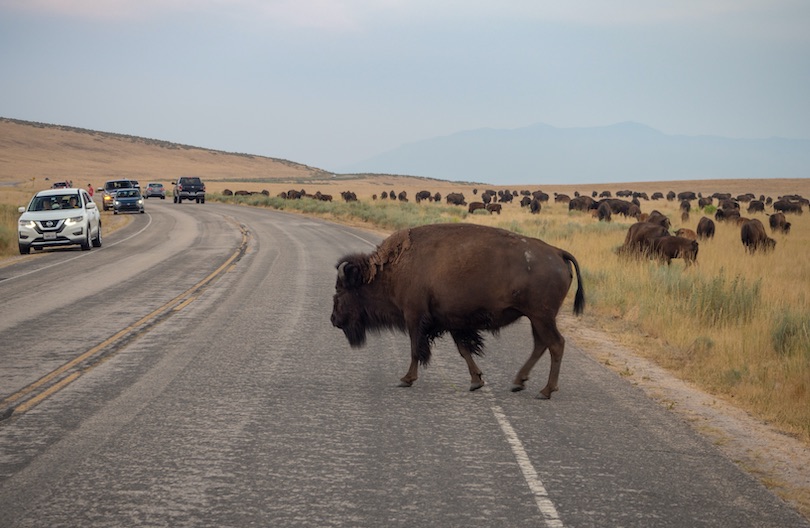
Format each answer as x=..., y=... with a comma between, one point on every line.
x=461, y=279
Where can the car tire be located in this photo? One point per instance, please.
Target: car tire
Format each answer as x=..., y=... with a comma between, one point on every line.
x=202, y=200
x=86, y=243
x=97, y=239
x=115, y=211
x=24, y=249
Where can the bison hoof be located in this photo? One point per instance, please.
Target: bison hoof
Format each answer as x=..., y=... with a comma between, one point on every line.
x=517, y=388
x=404, y=383
x=545, y=394
x=476, y=386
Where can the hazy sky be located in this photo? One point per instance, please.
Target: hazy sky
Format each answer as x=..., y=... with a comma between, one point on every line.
x=331, y=82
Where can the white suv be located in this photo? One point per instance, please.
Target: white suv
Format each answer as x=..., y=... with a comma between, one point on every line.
x=59, y=217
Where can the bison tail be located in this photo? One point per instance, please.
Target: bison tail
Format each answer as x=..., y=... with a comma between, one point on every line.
x=579, y=297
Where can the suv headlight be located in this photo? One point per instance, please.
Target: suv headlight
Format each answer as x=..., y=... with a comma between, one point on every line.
x=27, y=223
x=74, y=220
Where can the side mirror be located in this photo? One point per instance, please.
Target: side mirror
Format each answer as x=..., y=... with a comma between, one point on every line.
x=21, y=209
x=91, y=205
x=100, y=189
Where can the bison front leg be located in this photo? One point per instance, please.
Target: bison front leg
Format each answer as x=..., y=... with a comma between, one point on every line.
x=420, y=354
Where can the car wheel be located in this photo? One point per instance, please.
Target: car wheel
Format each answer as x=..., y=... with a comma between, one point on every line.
x=97, y=239
x=115, y=211
x=202, y=200
x=86, y=243
x=162, y=197
x=24, y=249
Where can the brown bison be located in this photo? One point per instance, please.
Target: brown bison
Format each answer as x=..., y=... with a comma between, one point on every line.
x=639, y=237
x=419, y=281
x=603, y=212
x=686, y=233
x=455, y=199
x=494, y=208
x=754, y=238
x=668, y=247
x=474, y=206
x=778, y=222
x=705, y=228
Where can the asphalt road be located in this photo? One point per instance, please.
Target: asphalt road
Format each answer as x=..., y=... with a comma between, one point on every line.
x=212, y=390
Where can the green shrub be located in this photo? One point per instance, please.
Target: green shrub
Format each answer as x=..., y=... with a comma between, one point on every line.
x=716, y=301
x=790, y=333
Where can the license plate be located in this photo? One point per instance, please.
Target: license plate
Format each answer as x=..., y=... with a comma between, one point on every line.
x=49, y=236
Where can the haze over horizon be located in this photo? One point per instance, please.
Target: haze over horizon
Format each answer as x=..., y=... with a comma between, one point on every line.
x=332, y=84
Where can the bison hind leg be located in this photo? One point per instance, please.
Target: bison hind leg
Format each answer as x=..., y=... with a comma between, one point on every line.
x=546, y=336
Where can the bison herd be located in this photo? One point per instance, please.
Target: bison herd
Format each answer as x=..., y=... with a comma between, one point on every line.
x=649, y=237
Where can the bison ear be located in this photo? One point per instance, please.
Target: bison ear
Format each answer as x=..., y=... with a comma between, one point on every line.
x=350, y=275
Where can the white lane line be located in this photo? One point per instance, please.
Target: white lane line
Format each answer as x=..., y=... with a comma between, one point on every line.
x=541, y=497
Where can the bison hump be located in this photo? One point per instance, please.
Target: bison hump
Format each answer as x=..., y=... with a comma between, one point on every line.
x=388, y=252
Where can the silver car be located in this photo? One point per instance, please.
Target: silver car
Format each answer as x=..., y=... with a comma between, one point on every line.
x=59, y=217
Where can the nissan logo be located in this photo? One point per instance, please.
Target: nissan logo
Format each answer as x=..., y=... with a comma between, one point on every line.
x=50, y=223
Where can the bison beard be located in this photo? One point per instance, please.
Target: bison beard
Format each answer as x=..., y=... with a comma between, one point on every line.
x=459, y=279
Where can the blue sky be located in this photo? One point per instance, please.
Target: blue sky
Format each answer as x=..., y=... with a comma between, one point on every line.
x=329, y=83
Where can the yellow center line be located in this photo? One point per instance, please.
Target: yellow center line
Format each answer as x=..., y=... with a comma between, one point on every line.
x=178, y=303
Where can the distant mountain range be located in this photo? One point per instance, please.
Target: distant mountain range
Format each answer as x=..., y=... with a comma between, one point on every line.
x=622, y=152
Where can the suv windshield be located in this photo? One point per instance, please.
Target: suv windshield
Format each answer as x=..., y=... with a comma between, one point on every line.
x=60, y=201
x=119, y=184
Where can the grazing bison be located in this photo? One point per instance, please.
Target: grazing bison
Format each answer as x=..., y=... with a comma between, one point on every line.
x=423, y=195
x=474, y=206
x=657, y=217
x=756, y=206
x=603, y=212
x=754, y=238
x=705, y=228
x=668, y=247
x=419, y=281
x=786, y=206
x=582, y=203
x=639, y=237
x=494, y=208
x=455, y=199
x=778, y=222
x=686, y=233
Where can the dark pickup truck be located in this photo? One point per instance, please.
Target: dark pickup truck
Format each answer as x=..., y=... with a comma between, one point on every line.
x=189, y=188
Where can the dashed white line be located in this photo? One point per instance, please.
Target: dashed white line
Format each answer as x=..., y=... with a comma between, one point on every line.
x=541, y=497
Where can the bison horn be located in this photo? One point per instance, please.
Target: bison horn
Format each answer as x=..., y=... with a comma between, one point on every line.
x=342, y=272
